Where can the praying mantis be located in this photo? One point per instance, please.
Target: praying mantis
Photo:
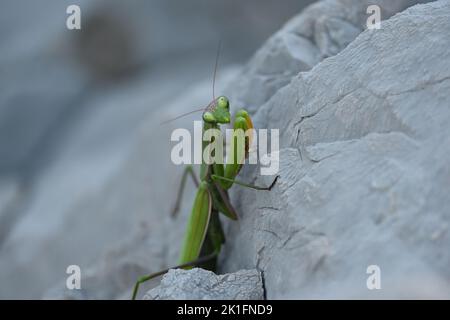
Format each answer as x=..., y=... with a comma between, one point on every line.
x=204, y=235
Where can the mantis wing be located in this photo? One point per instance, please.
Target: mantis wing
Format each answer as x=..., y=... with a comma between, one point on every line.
x=197, y=225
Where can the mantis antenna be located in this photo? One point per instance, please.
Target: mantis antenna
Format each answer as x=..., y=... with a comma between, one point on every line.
x=215, y=68
x=183, y=115
x=212, y=104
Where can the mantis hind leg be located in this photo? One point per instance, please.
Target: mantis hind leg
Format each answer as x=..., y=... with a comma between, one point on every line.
x=212, y=243
x=222, y=202
x=247, y=185
x=195, y=262
x=187, y=170
x=197, y=239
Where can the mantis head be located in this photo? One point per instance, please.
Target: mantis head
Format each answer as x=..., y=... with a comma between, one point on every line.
x=218, y=111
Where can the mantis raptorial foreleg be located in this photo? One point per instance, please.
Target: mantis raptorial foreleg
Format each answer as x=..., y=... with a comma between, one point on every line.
x=188, y=170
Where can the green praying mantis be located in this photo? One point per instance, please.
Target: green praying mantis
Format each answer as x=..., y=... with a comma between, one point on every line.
x=204, y=235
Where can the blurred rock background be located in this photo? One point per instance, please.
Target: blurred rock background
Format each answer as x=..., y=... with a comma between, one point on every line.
x=71, y=101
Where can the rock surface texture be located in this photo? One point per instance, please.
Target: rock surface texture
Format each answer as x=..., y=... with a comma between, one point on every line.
x=199, y=284
x=364, y=173
x=364, y=169
x=321, y=30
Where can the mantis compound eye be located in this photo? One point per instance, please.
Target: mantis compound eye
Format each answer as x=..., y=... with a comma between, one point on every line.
x=222, y=102
x=209, y=117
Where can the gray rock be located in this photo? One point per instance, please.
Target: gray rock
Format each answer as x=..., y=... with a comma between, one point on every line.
x=200, y=284
x=364, y=172
x=113, y=276
x=321, y=30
